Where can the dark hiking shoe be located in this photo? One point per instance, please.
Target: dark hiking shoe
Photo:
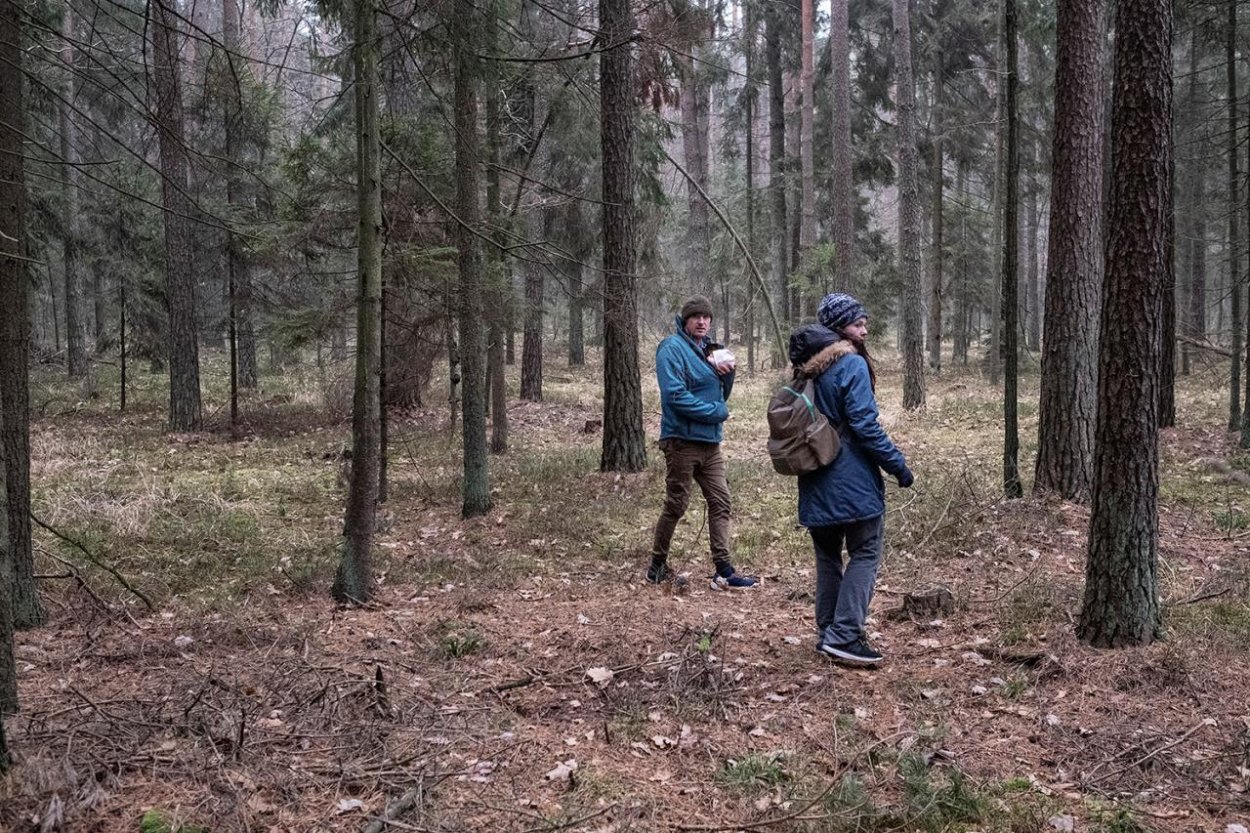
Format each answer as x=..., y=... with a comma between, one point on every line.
x=727, y=578
x=658, y=572
x=858, y=652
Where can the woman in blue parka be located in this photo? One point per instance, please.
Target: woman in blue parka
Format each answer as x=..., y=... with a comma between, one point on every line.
x=844, y=502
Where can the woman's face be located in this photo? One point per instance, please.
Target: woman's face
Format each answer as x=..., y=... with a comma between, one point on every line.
x=856, y=331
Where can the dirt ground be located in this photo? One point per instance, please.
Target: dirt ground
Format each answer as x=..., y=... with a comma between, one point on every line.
x=515, y=674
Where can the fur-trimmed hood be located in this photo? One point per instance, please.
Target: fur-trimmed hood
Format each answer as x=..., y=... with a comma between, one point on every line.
x=826, y=358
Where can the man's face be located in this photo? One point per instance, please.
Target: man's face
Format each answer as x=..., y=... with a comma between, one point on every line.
x=698, y=325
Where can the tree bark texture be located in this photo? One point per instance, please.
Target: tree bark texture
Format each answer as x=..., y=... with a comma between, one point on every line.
x=1234, y=229
x=844, y=196
x=1033, y=279
x=624, y=442
x=476, y=485
x=694, y=132
x=354, y=580
x=184, y=348
x=777, y=164
x=16, y=559
x=1074, y=260
x=532, y=337
x=1121, y=603
x=496, y=265
x=908, y=211
x=1010, y=276
x=71, y=231
x=934, y=330
x=807, y=109
x=1193, y=310
x=14, y=322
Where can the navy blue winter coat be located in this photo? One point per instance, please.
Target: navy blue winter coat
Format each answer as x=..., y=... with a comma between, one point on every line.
x=850, y=488
x=692, y=393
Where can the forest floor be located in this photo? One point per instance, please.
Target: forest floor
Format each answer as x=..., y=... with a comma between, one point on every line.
x=515, y=674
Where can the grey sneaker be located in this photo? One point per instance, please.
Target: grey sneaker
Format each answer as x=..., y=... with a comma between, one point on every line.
x=858, y=652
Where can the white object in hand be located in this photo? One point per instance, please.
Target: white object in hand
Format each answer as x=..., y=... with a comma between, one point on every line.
x=722, y=359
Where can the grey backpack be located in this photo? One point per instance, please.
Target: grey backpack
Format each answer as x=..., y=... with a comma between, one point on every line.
x=800, y=438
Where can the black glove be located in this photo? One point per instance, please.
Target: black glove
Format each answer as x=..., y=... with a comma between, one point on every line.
x=905, y=478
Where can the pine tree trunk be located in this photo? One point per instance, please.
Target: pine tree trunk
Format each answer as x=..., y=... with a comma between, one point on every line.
x=1011, y=263
x=1234, y=229
x=496, y=269
x=75, y=348
x=1033, y=279
x=694, y=108
x=577, y=344
x=959, y=348
x=532, y=336
x=843, y=153
x=8, y=670
x=353, y=581
x=936, y=287
x=1193, y=311
x=240, y=269
x=1121, y=604
x=807, y=109
x=908, y=212
x=16, y=558
x=624, y=443
x=1074, y=262
x=777, y=165
x=184, y=350
x=476, y=486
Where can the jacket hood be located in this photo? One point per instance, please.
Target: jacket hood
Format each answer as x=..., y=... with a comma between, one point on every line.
x=826, y=358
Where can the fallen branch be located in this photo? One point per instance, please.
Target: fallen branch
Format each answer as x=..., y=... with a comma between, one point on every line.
x=1206, y=721
x=97, y=562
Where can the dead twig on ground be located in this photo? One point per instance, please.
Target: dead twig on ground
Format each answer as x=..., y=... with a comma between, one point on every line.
x=94, y=559
x=1206, y=721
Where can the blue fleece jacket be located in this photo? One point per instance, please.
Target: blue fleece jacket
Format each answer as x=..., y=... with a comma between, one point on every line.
x=692, y=393
x=850, y=488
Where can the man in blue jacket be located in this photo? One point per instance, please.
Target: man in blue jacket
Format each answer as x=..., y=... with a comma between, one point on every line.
x=693, y=390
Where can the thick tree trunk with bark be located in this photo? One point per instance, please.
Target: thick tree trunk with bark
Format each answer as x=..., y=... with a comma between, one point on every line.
x=1234, y=229
x=624, y=442
x=1074, y=262
x=75, y=346
x=1121, y=604
x=476, y=486
x=16, y=559
x=908, y=211
x=184, y=349
x=843, y=182
x=354, y=580
x=1011, y=263
x=14, y=343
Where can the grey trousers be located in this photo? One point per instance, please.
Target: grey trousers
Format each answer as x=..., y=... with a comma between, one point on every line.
x=843, y=593
x=702, y=463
